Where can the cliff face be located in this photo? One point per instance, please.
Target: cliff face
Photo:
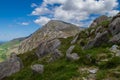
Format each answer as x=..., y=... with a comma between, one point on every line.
x=53, y=29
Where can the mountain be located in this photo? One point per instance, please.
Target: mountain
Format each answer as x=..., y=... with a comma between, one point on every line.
x=62, y=51
x=53, y=29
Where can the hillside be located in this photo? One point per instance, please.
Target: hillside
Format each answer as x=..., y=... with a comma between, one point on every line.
x=7, y=48
x=60, y=51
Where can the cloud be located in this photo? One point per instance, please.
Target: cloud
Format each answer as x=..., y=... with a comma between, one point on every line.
x=33, y=5
x=42, y=20
x=75, y=11
x=113, y=12
x=24, y=23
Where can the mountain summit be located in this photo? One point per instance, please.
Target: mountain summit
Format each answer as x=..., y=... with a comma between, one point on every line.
x=53, y=29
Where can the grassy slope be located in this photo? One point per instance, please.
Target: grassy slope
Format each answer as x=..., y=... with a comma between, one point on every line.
x=63, y=69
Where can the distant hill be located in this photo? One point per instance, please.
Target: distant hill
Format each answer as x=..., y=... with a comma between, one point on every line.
x=8, y=47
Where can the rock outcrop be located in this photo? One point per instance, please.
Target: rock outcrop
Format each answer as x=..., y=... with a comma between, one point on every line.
x=99, y=20
x=98, y=40
x=10, y=66
x=53, y=29
x=71, y=56
x=49, y=47
x=114, y=28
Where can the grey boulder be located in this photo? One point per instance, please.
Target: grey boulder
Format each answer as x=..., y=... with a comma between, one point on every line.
x=38, y=68
x=10, y=66
x=73, y=56
x=98, y=40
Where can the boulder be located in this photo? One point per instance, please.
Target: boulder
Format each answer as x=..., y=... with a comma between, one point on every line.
x=38, y=68
x=10, y=66
x=75, y=39
x=70, y=49
x=115, y=50
x=73, y=56
x=48, y=47
x=98, y=40
x=56, y=55
x=93, y=71
x=115, y=39
x=114, y=26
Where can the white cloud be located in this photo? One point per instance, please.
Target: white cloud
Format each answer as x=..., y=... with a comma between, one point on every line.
x=54, y=1
x=24, y=23
x=113, y=12
x=75, y=11
x=34, y=5
x=42, y=20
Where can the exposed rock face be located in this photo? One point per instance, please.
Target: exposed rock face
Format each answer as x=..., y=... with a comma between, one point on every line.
x=70, y=55
x=115, y=39
x=53, y=29
x=69, y=51
x=75, y=39
x=99, y=20
x=38, y=68
x=114, y=27
x=10, y=66
x=98, y=40
x=48, y=47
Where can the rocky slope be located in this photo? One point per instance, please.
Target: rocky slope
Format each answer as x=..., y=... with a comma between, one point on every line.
x=53, y=29
x=92, y=54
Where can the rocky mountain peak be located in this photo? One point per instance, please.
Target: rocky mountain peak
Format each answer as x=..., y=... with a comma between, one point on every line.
x=53, y=29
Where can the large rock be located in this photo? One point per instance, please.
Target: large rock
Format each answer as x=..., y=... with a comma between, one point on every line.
x=98, y=40
x=115, y=49
x=55, y=55
x=48, y=47
x=70, y=49
x=115, y=39
x=10, y=66
x=38, y=68
x=75, y=39
x=73, y=56
x=114, y=26
x=99, y=20
x=53, y=29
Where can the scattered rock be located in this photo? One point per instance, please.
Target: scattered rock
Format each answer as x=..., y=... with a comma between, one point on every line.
x=47, y=47
x=10, y=66
x=99, y=39
x=69, y=51
x=38, y=68
x=73, y=56
x=115, y=50
x=75, y=39
x=56, y=55
x=93, y=71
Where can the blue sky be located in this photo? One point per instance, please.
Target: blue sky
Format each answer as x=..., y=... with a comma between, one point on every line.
x=19, y=18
